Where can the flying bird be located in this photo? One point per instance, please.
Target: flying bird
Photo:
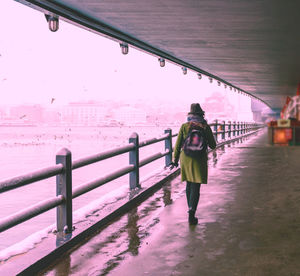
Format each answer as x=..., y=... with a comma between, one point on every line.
x=23, y=116
x=52, y=100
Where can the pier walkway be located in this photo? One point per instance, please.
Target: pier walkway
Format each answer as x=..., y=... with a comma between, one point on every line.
x=249, y=222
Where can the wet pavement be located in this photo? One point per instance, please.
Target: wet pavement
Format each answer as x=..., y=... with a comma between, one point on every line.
x=249, y=222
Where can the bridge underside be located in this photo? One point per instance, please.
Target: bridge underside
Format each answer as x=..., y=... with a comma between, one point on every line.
x=251, y=44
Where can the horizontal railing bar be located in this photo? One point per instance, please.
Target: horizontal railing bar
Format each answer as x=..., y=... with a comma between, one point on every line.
x=152, y=158
x=86, y=187
x=229, y=131
x=219, y=132
x=28, y=178
x=174, y=135
x=226, y=124
x=30, y=212
x=101, y=156
x=153, y=140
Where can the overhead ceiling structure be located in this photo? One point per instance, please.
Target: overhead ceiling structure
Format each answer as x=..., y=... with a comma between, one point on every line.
x=251, y=45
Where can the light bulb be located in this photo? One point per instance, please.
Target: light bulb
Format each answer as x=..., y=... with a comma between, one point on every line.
x=124, y=48
x=162, y=62
x=53, y=23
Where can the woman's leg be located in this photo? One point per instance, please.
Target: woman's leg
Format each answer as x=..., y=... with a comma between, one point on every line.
x=188, y=193
x=193, y=202
x=194, y=196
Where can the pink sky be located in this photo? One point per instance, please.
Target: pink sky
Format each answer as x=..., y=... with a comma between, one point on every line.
x=73, y=64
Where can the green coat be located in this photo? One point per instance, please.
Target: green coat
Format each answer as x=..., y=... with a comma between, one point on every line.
x=192, y=169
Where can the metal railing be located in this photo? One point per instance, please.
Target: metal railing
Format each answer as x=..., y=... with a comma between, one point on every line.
x=64, y=167
x=227, y=130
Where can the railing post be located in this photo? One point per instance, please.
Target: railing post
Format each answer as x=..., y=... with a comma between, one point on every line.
x=64, y=218
x=168, y=146
x=216, y=130
x=238, y=128
x=223, y=130
x=134, y=176
x=229, y=130
x=234, y=129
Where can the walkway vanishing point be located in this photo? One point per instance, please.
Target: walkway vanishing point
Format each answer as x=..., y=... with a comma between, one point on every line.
x=249, y=222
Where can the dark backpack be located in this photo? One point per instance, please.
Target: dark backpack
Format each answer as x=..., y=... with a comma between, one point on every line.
x=195, y=144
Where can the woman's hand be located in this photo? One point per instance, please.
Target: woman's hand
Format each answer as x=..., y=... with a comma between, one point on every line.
x=173, y=165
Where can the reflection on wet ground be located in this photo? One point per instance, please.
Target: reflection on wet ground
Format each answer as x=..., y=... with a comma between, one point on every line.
x=244, y=202
x=105, y=250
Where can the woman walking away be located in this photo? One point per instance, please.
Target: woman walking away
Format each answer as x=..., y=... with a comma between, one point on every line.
x=191, y=148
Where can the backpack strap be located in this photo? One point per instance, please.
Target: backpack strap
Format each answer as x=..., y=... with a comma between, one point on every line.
x=196, y=125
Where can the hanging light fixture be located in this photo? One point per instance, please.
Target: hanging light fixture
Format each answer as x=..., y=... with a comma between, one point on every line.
x=162, y=62
x=219, y=83
x=199, y=76
x=124, y=48
x=53, y=22
x=230, y=87
x=184, y=70
x=225, y=85
x=210, y=79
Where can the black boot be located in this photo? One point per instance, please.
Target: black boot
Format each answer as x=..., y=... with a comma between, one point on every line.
x=192, y=219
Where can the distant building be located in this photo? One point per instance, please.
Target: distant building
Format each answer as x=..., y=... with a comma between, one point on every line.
x=52, y=116
x=87, y=114
x=128, y=115
x=26, y=113
x=2, y=113
x=217, y=106
x=257, y=116
x=257, y=109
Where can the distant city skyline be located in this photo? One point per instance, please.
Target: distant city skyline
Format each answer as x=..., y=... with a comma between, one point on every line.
x=117, y=112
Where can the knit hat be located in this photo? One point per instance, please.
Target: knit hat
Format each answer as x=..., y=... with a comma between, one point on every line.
x=196, y=109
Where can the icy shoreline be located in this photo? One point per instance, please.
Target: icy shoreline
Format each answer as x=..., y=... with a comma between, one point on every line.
x=81, y=215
